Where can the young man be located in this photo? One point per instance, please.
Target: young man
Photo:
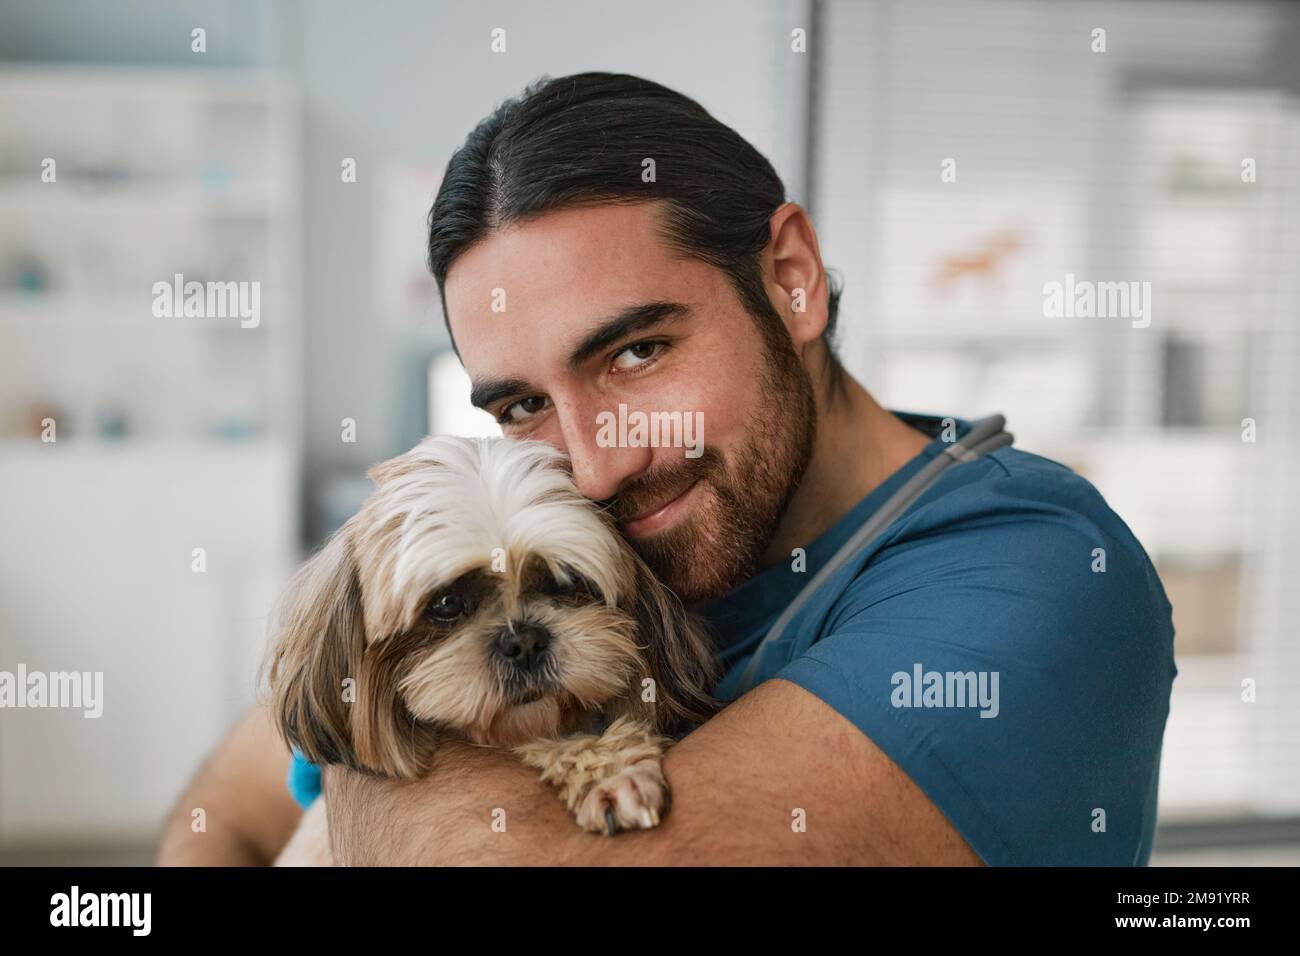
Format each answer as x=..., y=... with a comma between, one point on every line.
x=972, y=687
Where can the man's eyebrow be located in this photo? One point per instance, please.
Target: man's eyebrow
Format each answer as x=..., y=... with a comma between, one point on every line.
x=485, y=393
x=632, y=319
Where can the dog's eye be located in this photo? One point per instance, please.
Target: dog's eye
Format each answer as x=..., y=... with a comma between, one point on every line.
x=446, y=608
x=577, y=586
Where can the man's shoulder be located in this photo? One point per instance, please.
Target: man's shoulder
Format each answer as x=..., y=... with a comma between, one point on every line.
x=1018, y=497
x=1011, y=477
x=1012, y=523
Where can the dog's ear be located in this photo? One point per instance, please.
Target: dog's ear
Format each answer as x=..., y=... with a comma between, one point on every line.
x=388, y=739
x=317, y=644
x=679, y=654
x=333, y=697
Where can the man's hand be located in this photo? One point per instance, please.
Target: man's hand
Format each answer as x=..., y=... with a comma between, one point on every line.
x=739, y=782
x=248, y=812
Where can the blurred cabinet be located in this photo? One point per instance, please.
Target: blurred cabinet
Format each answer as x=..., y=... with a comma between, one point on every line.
x=96, y=574
x=113, y=182
x=173, y=433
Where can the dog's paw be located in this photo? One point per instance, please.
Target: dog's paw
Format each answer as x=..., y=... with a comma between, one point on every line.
x=635, y=798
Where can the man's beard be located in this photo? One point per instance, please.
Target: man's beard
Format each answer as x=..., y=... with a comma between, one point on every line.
x=740, y=499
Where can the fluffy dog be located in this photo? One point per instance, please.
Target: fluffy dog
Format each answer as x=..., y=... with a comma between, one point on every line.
x=477, y=593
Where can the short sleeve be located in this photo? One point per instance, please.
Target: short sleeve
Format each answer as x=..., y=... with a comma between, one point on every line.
x=1016, y=662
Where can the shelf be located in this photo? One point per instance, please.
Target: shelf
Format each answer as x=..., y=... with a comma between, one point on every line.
x=81, y=451
x=73, y=199
x=117, y=312
x=260, y=89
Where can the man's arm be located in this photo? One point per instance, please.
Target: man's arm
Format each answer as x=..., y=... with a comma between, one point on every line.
x=249, y=814
x=740, y=782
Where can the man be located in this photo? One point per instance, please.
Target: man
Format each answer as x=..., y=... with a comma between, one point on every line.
x=603, y=242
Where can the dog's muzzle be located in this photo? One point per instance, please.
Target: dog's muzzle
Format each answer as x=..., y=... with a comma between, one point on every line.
x=523, y=646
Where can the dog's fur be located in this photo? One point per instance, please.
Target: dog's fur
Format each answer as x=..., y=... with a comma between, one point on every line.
x=364, y=673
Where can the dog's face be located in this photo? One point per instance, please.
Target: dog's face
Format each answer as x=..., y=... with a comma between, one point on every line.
x=477, y=590
x=504, y=587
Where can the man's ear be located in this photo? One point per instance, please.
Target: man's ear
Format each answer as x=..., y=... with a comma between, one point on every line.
x=796, y=268
x=317, y=644
x=679, y=654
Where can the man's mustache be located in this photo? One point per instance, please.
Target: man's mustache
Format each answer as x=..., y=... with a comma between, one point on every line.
x=660, y=486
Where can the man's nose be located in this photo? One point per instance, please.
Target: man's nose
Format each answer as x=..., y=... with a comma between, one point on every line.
x=600, y=468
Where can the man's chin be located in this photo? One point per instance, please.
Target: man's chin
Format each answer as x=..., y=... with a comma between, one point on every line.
x=691, y=572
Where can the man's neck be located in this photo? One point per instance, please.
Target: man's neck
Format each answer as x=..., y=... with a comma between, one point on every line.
x=858, y=446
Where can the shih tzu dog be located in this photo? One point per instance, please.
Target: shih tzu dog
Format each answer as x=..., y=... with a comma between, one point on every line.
x=477, y=593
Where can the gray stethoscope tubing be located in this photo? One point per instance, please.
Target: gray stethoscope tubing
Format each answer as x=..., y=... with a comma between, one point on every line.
x=986, y=435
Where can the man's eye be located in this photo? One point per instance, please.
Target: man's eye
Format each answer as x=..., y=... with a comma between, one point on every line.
x=636, y=355
x=446, y=608
x=522, y=410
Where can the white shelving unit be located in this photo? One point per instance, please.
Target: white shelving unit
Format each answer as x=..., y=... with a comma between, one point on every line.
x=172, y=433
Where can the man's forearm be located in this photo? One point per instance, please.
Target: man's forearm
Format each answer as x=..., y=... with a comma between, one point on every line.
x=476, y=806
x=778, y=777
x=473, y=802
x=247, y=813
x=221, y=843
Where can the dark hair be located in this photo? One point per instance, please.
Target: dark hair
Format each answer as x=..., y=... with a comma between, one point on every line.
x=582, y=139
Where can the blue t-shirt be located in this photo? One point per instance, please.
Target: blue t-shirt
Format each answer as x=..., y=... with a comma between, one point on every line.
x=996, y=570
x=1005, y=641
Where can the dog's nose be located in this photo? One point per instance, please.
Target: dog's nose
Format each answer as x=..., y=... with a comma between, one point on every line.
x=523, y=645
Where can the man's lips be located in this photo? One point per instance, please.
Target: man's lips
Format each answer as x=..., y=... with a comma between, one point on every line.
x=659, y=516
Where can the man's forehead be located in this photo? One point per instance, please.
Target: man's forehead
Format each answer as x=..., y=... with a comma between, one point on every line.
x=562, y=248
x=547, y=287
